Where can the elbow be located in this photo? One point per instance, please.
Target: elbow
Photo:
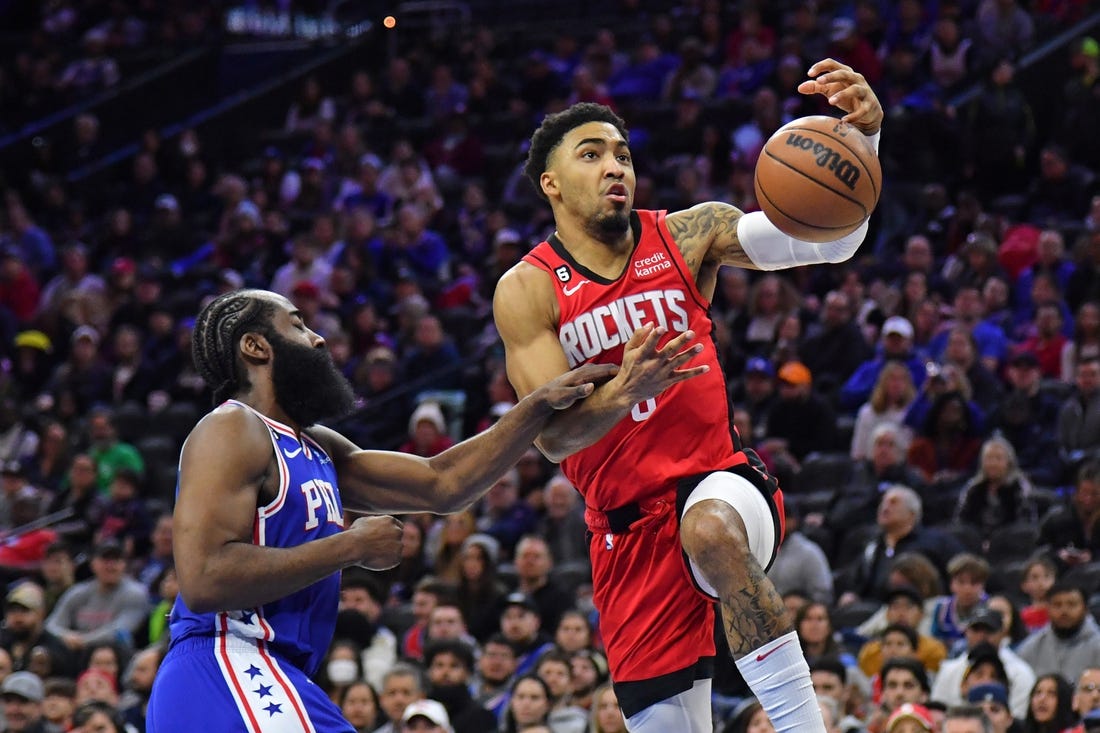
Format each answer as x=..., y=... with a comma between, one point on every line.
x=553, y=449
x=199, y=600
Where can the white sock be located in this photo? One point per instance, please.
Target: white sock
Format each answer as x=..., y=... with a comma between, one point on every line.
x=778, y=675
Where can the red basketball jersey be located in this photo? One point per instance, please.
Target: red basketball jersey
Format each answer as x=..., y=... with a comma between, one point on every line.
x=687, y=428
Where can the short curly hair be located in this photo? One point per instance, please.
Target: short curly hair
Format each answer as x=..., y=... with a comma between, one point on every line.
x=556, y=126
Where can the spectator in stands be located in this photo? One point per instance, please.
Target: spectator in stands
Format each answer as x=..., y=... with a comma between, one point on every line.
x=109, y=453
x=900, y=530
x=884, y=466
x=306, y=264
x=432, y=352
x=479, y=593
x=449, y=669
x=1068, y=532
x=999, y=493
x=83, y=375
x=24, y=631
x=946, y=449
x=58, y=572
x=1036, y=580
x=504, y=515
x=1026, y=416
x=22, y=694
x=999, y=129
x=606, y=716
x=360, y=619
x=107, y=607
x=905, y=608
x=1086, y=696
x=890, y=400
x=757, y=395
x=1079, y=416
x=1050, y=706
x=801, y=563
x=985, y=638
x=896, y=344
x=961, y=350
x=522, y=628
x=428, y=434
x=1047, y=342
x=1085, y=343
x=22, y=552
x=562, y=523
x=554, y=668
x=905, y=689
x=1059, y=195
x=801, y=421
x=534, y=563
x=448, y=535
x=967, y=575
x=359, y=705
x=402, y=685
x=1071, y=643
x=82, y=498
x=835, y=348
x=495, y=669
x=589, y=672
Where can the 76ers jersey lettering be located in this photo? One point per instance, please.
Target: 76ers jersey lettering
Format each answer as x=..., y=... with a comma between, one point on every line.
x=684, y=430
x=307, y=507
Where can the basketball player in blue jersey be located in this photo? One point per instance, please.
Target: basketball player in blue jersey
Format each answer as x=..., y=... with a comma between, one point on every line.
x=259, y=538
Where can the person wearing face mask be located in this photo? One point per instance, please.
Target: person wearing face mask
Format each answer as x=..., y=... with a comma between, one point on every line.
x=450, y=669
x=342, y=668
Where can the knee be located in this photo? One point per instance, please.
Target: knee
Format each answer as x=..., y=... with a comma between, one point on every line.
x=714, y=529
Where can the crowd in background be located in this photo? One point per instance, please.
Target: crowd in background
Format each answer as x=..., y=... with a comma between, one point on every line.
x=932, y=408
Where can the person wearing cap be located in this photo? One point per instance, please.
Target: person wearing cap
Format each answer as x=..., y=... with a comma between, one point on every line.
x=985, y=633
x=521, y=626
x=1027, y=415
x=244, y=576
x=895, y=344
x=22, y=694
x=910, y=718
x=1071, y=642
x=905, y=609
x=425, y=716
x=107, y=607
x=757, y=394
x=428, y=434
x=25, y=630
x=992, y=698
x=802, y=421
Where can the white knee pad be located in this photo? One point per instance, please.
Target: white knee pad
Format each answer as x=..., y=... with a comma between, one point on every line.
x=755, y=512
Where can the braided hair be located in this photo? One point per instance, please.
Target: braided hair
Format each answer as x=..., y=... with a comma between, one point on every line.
x=218, y=329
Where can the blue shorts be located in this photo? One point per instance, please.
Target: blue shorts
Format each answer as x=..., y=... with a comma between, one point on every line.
x=228, y=684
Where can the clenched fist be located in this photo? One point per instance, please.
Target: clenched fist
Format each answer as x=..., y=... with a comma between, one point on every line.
x=378, y=540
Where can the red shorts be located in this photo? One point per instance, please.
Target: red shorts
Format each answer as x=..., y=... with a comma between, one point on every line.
x=653, y=618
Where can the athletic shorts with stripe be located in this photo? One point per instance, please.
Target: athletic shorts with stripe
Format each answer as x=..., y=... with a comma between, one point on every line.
x=225, y=684
x=656, y=620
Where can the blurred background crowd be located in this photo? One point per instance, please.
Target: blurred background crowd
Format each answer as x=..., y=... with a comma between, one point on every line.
x=932, y=407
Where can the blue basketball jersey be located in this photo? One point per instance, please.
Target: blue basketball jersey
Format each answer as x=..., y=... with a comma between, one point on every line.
x=298, y=627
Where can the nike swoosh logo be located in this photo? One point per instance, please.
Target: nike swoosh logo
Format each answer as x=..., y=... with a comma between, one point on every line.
x=292, y=453
x=762, y=657
x=575, y=288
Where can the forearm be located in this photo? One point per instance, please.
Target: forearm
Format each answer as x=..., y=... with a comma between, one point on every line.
x=469, y=469
x=584, y=423
x=240, y=575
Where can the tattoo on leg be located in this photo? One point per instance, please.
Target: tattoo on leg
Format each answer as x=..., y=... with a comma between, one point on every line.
x=754, y=614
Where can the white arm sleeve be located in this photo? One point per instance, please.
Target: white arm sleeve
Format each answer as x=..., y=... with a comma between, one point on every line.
x=771, y=249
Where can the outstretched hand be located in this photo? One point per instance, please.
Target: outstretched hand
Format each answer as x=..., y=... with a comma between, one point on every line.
x=577, y=384
x=648, y=370
x=847, y=90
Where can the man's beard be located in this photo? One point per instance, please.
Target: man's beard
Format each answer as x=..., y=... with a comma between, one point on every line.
x=609, y=228
x=308, y=386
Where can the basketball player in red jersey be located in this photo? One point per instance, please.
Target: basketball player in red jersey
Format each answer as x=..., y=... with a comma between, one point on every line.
x=680, y=515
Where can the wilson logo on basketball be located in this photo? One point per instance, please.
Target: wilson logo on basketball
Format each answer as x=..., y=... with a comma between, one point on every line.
x=845, y=171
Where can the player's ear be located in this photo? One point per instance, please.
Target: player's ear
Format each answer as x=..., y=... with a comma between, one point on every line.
x=549, y=183
x=255, y=347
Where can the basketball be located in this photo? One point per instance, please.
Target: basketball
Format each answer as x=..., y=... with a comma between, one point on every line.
x=817, y=178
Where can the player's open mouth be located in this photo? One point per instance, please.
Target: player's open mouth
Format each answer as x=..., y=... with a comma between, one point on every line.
x=617, y=192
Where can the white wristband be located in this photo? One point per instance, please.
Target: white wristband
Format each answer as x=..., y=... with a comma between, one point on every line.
x=873, y=139
x=771, y=249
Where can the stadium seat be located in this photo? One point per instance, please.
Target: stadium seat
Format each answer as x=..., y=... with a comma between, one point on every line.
x=131, y=421
x=1012, y=542
x=824, y=470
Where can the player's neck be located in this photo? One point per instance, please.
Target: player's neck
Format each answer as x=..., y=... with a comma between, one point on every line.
x=603, y=257
x=263, y=401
